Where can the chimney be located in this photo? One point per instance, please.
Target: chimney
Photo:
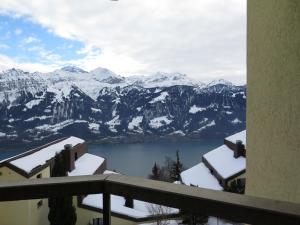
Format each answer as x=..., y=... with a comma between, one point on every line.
x=239, y=149
x=67, y=153
x=129, y=202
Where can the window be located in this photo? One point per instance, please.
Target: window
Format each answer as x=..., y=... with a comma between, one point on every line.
x=76, y=156
x=39, y=176
x=97, y=221
x=40, y=203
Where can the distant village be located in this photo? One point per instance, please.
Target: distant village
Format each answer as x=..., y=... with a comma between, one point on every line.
x=221, y=169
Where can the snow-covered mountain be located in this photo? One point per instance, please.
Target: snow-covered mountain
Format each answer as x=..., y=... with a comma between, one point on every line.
x=101, y=104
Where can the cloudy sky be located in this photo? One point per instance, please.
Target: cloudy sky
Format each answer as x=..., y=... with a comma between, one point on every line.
x=205, y=39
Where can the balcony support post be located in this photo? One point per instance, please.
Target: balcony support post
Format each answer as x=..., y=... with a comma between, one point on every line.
x=106, y=209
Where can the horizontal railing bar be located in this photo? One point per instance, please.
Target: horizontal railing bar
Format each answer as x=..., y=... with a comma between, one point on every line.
x=49, y=187
x=226, y=205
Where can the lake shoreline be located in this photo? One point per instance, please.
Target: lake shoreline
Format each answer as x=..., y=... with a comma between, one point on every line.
x=137, y=159
x=132, y=139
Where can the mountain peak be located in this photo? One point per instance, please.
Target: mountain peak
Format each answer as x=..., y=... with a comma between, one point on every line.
x=73, y=69
x=13, y=72
x=220, y=81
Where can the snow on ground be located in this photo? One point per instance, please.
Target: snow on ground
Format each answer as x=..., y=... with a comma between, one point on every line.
x=236, y=121
x=161, y=98
x=11, y=136
x=61, y=90
x=32, y=103
x=114, y=113
x=112, y=123
x=241, y=136
x=223, y=161
x=241, y=93
x=194, y=109
x=186, y=123
x=159, y=122
x=205, y=119
x=2, y=134
x=94, y=110
x=58, y=126
x=94, y=127
x=140, y=210
x=212, y=123
x=157, y=90
x=117, y=101
x=178, y=132
x=27, y=163
x=135, y=123
x=37, y=117
x=87, y=164
x=228, y=112
x=200, y=176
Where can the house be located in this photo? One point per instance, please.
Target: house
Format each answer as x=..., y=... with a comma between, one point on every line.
x=220, y=166
x=38, y=163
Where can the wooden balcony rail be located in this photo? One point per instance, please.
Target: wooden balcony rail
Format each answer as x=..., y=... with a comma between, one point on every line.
x=238, y=208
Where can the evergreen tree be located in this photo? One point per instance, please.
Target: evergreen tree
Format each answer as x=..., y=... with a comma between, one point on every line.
x=237, y=186
x=155, y=172
x=61, y=209
x=176, y=169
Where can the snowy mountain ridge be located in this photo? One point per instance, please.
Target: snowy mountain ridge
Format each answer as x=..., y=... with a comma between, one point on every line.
x=100, y=104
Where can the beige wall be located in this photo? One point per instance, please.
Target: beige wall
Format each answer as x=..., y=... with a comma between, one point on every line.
x=273, y=99
x=22, y=212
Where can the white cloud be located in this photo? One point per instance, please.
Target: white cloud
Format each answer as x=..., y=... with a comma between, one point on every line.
x=29, y=40
x=8, y=63
x=205, y=39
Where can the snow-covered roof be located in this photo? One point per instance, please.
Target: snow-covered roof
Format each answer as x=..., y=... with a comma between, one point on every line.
x=223, y=161
x=86, y=165
x=200, y=176
x=40, y=157
x=110, y=172
x=238, y=136
x=140, y=210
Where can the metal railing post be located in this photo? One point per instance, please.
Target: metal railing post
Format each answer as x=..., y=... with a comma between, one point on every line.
x=106, y=209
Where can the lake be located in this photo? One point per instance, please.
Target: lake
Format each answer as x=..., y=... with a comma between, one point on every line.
x=138, y=159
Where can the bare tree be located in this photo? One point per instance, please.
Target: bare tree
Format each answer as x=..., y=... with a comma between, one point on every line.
x=160, y=213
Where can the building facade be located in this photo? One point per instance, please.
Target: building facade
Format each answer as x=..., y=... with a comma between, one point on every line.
x=273, y=99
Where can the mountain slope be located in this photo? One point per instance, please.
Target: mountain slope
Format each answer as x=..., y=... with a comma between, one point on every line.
x=99, y=104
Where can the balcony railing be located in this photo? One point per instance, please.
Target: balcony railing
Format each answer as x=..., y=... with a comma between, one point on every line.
x=238, y=208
